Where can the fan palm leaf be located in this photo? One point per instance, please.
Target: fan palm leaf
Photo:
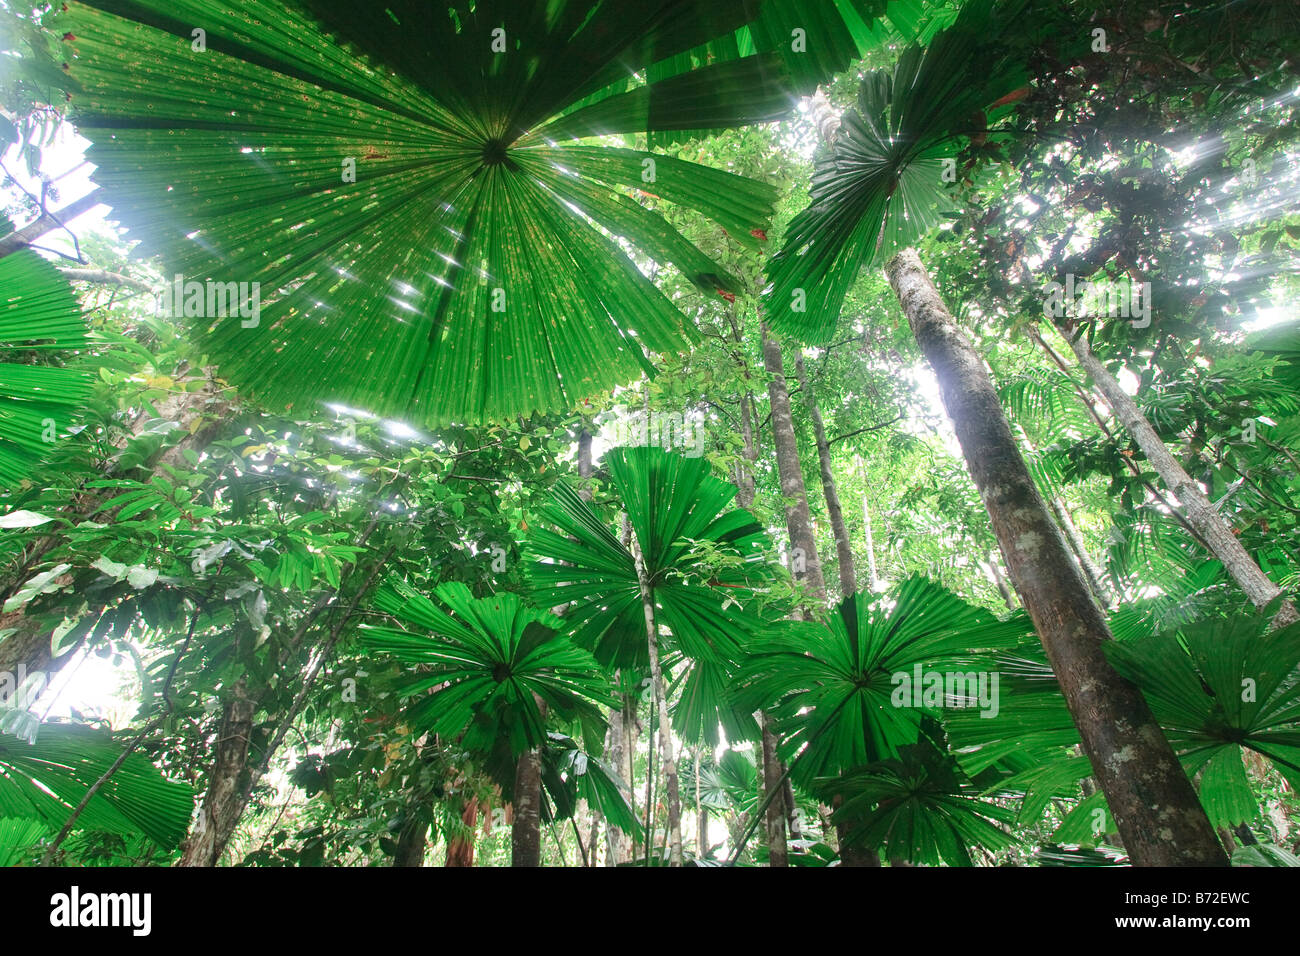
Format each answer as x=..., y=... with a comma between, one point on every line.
x=425, y=242
x=46, y=780
x=920, y=807
x=881, y=185
x=704, y=564
x=39, y=316
x=830, y=686
x=486, y=664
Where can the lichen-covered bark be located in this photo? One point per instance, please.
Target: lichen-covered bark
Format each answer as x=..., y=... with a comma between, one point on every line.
x=1198, y=511
x=1157, y=812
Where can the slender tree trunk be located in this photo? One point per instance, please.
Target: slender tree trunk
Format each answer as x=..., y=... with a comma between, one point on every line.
x=798, y=518
x=1156, y=809
x=770, y=765
x=1196, y=507
x=873, y=578
x=615, y=839
x=1091, y=572
x=843, y=548
x=223, y=804
x=1000, y=581
x=672, y=790
x=701, y=816
x=774, y=816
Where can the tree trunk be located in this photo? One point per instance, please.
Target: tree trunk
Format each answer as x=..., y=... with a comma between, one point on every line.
x=701, y=816
x=1000, y=581
x=49, y=221
x=1200, y=514
x=798, y=519
x=1091, y=572
x=843, y=548
x=672, y=790
x=223, y=804
x=526, y=830
x=774, y=816
x=1158, y=814
x=873, y=577
x=412, y=841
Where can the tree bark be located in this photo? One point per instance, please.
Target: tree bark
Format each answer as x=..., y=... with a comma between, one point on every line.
x=873, y=577
x=843, y=548
x=774, y=816
x=798, y=518
x=48, y=222
x=223, y=804
x=1156, y=809
x=1196, y=507
x=412, y=841
x=526, y=830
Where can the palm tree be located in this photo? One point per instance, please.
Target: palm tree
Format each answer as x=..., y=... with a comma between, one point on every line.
x=493, y=671
x=879, y=189
x=424, y=151
x=688, y=570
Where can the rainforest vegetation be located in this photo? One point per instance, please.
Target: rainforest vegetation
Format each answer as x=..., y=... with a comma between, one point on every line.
x=591, y=433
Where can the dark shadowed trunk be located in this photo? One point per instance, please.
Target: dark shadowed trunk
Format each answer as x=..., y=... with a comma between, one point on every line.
x=843, y=547
x=412, y=840
x=223, y=804
x=1196, y=507
x=1155, y=807
x=774, y=816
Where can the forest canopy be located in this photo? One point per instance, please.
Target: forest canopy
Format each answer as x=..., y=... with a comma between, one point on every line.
x=636, y=433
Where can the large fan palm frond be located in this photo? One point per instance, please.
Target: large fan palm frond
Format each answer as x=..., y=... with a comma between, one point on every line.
x=881, y=185
x=38, y=315
x=47, y=779
x=830, y=687
x=704, y=563
x=1217, y=687
x=398, y=184
x=487, y=662
x=919, y=807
